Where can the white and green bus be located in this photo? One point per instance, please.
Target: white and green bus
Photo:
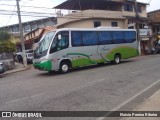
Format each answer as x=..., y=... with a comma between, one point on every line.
x=67, y=48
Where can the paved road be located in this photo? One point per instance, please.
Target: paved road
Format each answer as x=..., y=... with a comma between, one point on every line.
x=95, y=88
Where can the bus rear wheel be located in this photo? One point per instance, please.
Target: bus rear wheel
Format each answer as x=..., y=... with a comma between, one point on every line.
x=117, y=59
x=64, y=67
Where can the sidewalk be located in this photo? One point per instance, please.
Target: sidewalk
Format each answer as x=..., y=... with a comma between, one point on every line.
x=18, y=67
x=151, y=104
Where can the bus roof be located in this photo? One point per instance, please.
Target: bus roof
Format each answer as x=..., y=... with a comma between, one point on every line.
x=94, y=29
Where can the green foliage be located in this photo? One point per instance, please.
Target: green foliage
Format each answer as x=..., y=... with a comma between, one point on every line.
x=7, y=47
x=5, y=43
x=4, y=35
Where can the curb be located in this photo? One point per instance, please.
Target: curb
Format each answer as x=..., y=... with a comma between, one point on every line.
x=148, y=101
x=142, y=57
x=24, y=69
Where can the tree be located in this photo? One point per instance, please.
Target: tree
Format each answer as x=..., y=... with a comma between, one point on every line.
x=6, y=44
x=4, y=35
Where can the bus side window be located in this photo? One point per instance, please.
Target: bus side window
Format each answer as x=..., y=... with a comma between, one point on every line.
x=105, y=37
x=76, y=38
x=130, y=36
x=89, y=38
x=118, y=37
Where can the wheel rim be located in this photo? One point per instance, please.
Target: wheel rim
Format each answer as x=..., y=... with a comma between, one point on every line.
x=65, y=68
x=117, y=59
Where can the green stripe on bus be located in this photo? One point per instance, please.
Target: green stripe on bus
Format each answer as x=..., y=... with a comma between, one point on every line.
x=126, y=52
x=81, y=61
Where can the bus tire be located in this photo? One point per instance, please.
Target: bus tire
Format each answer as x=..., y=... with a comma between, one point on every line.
x=64, y=67
x=117, y=59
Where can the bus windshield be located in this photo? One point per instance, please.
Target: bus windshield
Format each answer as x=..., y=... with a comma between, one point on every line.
x=43, y=45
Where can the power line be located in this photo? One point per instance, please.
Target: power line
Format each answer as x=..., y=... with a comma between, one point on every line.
x=149, y=1
x=26, y=1
x=42, y=8
x=11, y=15
x=6, y=14
x=27, y=6
x=28, y=12
x=25, y=13
x=7, y=0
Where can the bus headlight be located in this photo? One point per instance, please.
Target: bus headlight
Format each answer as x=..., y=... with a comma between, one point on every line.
x=44, y=61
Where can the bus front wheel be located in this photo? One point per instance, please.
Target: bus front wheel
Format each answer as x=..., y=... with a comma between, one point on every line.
x=117, y=59
x=64, y=67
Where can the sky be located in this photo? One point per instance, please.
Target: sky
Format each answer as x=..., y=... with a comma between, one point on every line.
x=37, y=9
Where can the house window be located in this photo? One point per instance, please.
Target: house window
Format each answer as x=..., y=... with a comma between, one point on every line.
x=131, y=27
x=139, y=9
x=114, y=24
x=97, y=23
x=128, y=7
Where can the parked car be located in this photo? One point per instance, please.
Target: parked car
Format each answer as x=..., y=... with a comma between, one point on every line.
x=158, y=47
x=2, y=68
x=18, y=57
x=29, y=51
x=29, y=56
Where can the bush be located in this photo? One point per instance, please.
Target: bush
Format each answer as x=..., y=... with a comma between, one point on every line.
x=4, y=35
x=5, y=43
x=7, y=46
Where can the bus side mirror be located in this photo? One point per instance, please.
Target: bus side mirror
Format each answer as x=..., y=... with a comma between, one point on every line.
x=59, y=37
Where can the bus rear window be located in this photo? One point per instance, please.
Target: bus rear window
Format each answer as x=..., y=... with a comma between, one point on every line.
x=130, y=36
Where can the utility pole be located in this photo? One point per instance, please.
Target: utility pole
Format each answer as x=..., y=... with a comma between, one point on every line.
x=137, y=27
x=21, y=35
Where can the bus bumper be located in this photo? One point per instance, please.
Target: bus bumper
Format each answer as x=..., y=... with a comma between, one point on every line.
x=44, y=65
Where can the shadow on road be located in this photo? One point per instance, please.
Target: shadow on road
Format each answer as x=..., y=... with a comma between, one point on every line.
x=2, y=75
x=55, y=73
x=99, y=66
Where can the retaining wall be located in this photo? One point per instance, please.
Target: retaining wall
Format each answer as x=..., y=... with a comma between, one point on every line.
x=7, y=59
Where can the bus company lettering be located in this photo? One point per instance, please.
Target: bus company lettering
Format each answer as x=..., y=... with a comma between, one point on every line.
x=30, y=115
